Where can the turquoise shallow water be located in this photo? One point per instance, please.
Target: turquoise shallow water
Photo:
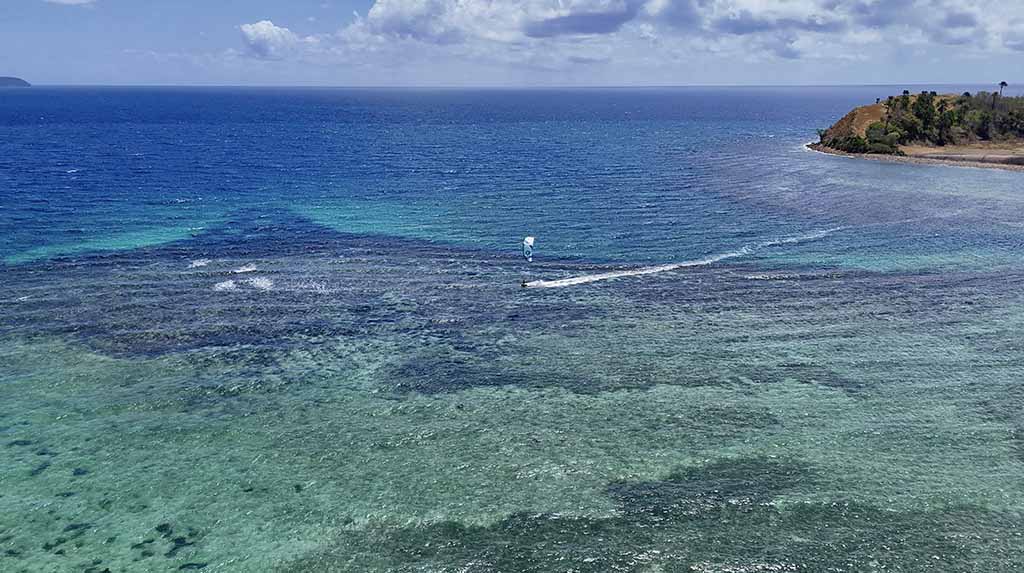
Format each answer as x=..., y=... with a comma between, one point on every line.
x=263, y=330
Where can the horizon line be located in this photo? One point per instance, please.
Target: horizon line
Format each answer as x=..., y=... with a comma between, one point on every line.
x=502, y=86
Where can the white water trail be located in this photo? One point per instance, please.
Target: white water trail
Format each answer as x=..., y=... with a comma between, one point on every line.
x=742, y=252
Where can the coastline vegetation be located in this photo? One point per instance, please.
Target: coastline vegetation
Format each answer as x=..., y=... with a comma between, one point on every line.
x=932, y=119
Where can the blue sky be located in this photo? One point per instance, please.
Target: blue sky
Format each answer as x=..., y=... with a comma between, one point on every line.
x=506, y=42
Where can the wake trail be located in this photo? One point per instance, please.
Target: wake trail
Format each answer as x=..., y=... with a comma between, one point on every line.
x=742, y=252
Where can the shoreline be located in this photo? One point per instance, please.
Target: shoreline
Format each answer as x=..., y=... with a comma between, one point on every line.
x=917, y=160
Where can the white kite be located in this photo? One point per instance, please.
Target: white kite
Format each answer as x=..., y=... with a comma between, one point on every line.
x=528, y=249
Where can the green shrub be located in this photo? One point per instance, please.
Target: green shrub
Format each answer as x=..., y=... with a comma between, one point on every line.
x=849, y=144
x=876, y=131
x=881, y=149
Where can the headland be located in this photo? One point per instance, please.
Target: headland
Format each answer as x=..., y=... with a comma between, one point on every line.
x=977, y=130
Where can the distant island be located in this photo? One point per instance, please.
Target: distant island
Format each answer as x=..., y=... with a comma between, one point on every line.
x=983, y=129
x=6, y=82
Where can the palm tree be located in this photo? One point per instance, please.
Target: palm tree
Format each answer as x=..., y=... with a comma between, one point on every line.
x=1001, y=86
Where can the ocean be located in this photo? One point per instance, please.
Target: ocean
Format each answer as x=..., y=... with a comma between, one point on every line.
x=285, y=330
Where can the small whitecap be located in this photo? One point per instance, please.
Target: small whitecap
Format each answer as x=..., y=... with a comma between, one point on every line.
x=245, y=269
x=198, y=263
x=226, y=285
x=261, y=283
x=71, y=171
x=313, y=286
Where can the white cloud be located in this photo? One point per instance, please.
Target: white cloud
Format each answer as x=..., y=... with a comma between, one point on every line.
x=267, y=41
x=623, y=37
x=515, y=21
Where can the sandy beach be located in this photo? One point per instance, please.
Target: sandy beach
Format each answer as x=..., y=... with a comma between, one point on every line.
x=985, y=157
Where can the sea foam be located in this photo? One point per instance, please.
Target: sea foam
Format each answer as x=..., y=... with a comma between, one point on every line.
x=261, y=283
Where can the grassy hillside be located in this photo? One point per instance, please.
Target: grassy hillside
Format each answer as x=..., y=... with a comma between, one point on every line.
x=927, y=119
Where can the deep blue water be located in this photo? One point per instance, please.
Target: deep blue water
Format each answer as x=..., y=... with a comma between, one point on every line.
x=605, y=175
x=282, y=329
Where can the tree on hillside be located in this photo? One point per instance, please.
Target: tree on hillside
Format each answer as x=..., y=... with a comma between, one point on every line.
x=1001, y=86
x=904, y=101
x=946, y=120
x=924, y=109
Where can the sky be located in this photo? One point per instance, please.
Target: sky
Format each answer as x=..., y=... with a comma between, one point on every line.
x=512, y=42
